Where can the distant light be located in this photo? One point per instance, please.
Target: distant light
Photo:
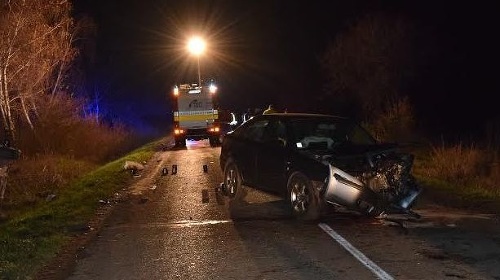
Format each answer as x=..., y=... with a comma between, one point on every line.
x=196, y=45
x=176, y=91
x=213, y=88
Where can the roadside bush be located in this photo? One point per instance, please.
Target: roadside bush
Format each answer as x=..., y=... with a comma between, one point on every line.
x=459, y=164
x=41, y=178
x=62, y=147
x=395, y=124
x=492, y=180
x=60, y=130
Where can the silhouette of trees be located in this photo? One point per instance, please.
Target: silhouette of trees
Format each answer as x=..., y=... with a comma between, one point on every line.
x=369, y=65
x=36, y=50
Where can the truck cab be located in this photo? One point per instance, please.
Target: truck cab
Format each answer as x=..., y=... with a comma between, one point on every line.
x=196, y=116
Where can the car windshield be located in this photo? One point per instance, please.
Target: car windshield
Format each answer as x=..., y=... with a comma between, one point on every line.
x=327, y=133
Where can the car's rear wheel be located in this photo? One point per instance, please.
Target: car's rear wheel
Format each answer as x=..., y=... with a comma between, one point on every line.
x=303, y=197
x=232, y=181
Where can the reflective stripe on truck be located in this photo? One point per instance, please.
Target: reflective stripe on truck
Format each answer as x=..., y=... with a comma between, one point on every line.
x=196, y=115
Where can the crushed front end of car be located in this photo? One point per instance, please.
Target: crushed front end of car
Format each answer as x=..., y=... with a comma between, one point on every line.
x=373, y=182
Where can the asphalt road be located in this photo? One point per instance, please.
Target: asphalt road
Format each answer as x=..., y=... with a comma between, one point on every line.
x=177, y=226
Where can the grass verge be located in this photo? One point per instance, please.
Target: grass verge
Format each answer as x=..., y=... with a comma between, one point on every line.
x=465, y=197
x=460, y=177
x=32, y=238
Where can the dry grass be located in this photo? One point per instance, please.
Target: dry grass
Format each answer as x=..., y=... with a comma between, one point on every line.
x=60, y=130
x=469, y=168
x=31, y=237
x=37, y=179
x=492, y=180
x=63, y=147
x=464, y=166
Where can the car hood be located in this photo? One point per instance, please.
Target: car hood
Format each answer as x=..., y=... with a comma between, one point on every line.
x=354, y=150
x=353, y=158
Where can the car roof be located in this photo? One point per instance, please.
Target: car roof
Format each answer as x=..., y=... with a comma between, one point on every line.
x=303, y=115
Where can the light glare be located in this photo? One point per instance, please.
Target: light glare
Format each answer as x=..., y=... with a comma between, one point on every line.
x=213, y=88
x=196, y=46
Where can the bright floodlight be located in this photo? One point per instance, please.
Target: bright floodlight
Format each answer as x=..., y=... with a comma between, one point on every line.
x=196, y=45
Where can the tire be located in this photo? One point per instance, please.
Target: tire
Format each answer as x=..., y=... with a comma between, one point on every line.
x=232, y=181
x=180, y=142
x=303, y=198
x=214, y=141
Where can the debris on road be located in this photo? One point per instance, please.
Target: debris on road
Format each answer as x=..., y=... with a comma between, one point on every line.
x=204, y=196
x=134, y=167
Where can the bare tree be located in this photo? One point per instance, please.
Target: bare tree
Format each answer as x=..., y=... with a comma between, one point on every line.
x=35, y=49
x=370, y=62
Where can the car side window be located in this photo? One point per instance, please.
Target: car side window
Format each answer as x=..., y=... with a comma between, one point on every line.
x=275, y=132
x=255, y=131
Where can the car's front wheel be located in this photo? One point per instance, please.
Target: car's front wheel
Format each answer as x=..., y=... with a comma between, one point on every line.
x=232, y=181
x=303, y=197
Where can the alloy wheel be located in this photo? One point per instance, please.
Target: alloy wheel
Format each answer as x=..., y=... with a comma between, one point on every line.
x=231, y=180
x=299, y=197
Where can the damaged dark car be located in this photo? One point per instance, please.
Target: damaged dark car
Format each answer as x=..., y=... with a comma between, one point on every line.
x=314, y=161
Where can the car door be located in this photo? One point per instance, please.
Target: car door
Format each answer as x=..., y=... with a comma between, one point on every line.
x=247, y=147
x=272, y=158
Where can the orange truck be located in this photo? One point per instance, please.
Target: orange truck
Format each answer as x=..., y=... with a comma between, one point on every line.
x=195, y=115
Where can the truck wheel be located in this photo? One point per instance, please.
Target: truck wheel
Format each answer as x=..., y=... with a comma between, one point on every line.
x=180, y=142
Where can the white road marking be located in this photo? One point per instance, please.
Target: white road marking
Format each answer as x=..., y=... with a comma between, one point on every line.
x=379, y=272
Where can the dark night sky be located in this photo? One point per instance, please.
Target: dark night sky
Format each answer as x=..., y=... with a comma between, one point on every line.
x=264, y=52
